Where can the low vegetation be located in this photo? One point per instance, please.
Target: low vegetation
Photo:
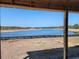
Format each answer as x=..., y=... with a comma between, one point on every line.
x=11, y=27
x=75, y=26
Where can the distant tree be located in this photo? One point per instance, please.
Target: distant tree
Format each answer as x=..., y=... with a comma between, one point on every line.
x=76, y=26
x=70, y=27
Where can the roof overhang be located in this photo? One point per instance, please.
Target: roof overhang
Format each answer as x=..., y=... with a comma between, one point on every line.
x=61, y=5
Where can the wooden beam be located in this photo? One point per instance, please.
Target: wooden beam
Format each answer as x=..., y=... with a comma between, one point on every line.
x=0, y=49
x=66, y=35
x=47, y=4
x=29, y=8
x=12, y=5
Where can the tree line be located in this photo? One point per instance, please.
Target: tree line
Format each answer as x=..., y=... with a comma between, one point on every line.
x=10, y=27
x=75, y=26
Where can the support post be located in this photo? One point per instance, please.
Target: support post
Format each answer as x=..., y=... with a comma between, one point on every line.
x=0, y=49
x=12, y=2
x=66, y=35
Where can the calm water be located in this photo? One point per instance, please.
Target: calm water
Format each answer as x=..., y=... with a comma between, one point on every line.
x=34, y=33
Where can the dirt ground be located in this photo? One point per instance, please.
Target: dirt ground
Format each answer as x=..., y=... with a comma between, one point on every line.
x=17, y=49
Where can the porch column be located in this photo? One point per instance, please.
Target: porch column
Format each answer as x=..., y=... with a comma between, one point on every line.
x=66, y=35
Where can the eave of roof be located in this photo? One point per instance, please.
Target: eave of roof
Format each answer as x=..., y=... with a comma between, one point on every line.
x=72, y=5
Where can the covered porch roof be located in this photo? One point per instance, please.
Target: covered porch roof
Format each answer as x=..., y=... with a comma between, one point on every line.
x=71, y=5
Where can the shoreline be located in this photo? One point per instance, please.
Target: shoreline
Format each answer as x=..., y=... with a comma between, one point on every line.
x=37, y=37
x=71, y=30
x=16, y=30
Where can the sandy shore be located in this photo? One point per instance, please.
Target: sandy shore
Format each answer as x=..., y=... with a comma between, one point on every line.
x=15, y=30
x=72, y=30
x=17, y=49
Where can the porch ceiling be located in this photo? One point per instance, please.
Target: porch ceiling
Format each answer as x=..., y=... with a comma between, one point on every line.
x=71, y=5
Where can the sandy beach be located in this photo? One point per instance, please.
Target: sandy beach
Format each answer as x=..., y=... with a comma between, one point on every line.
x=17, y=49
x=17, y=30
x=13, y=30
x=72, y=30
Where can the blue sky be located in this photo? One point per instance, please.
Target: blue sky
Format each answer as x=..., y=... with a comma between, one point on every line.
x=34, y=18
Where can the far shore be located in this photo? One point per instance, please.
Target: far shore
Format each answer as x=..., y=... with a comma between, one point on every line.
x=74, y=30
x=71, y=30
x=15, y=30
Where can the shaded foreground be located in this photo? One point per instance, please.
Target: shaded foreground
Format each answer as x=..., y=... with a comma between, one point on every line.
x=56, y=53
x=39, y=48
